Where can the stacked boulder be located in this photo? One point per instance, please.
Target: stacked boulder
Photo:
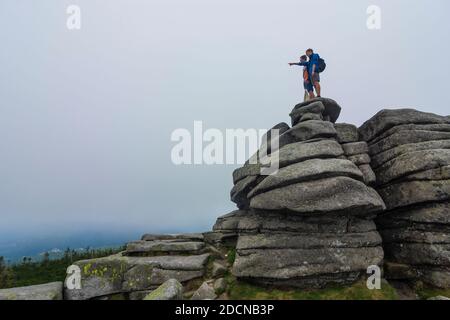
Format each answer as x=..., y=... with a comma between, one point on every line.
x=310, y=223
x=410, y=153
x=142, y=267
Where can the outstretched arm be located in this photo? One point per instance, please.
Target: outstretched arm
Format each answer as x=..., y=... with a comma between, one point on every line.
x=298, y=63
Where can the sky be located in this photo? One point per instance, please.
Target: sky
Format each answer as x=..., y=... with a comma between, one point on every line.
x=86, y=116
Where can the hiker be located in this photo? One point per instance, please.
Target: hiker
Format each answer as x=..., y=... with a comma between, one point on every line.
x=314, y=66
x=307, y=84
x=314, y=69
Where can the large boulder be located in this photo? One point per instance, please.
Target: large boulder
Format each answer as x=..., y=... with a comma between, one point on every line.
x=331, y=112
x=124, y=274
x=386, y=119
x=48, y=291
x=338, y=194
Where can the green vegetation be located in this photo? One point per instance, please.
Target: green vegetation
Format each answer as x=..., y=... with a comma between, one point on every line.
x=239, y=290
x=425, y=292
x=231, y=256
x=29, y=273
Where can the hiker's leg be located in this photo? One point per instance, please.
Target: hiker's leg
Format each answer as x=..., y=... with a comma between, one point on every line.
x=316, y=81
x=311, y=94
x=317, y=86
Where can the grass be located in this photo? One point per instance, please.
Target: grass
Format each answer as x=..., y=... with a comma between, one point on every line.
x=30, y=273
x=243, y=291
x=426, y=292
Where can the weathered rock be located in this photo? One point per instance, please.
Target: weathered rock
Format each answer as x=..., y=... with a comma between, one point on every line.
x=312, y=129
x=332, y=108
x=316, y=108
x=310, y=116
x=205, y=292
x=413, y=162
x=245, y=171
x=439, y=298
x=306, y=171
x=353, y=148
x=386, y=119
x=368, y=174
x=301, y=151
x=163, y=247
x=220, y=285
x=406, y=137
x=383, y=157
x=218, y=269
x=359, y=159
x=325, y=195
x=173, y=237
x=172, y=289
x=414, y=192
x=241, y=189
x=118, y=274
x=48, y=291
x=346, y=133
x=305, y=268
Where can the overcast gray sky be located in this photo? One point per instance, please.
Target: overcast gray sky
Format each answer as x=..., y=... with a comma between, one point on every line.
x=86, y=115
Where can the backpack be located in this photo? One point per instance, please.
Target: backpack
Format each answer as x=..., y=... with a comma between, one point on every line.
x=322, y=65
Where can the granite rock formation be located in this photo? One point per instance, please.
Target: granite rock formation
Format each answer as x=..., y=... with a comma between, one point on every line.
x=410, y=153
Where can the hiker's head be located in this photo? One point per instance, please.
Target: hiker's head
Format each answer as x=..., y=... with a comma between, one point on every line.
x=309, y=52
x=303, y=58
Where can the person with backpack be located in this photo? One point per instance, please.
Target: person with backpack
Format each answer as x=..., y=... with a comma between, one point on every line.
x=314, y=66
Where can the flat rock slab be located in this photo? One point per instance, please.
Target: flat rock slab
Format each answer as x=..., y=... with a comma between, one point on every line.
x=119, y=274
x=307, y=171
x=173, y=237
x=383, y=157
x=286, y=264
x=48, y=291
x=413, y=162
x=386, y=119
x=406, y=137
x=301, y=151
x=346, y=133
x=426, y=214
x=360, y=159
x=241, y=189
x=407, y=193
x=353, y=148
x=307, y=241
x=161, y=246
x=312, y=129
x=332, y=108
x=316, y=108
x=321, y=196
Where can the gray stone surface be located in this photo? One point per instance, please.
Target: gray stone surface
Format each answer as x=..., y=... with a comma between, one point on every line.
x=346, y=133
x=403, y=194
x=316, y=108
x=413, y=162
x=386, y=119
x=205, y=292
x=220, y=285
x=118, y=273
x=359, y=159
x=241, y=189
x=332, y=108
x=218, y=269
x=312, y=129
x=368, y=174
x=321, y=196
x=48, y=291
x=164, y=246
x=173, y=237
x=353, y=148
x=306, y=171
x=301, y=151
x=172, y=289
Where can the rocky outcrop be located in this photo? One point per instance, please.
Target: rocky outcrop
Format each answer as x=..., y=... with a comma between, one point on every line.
x=169, y=290
x=410, y=153
x=143, y=266
x=310, y=223
x=48, y=291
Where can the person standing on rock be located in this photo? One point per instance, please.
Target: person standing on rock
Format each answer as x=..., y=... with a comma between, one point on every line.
x=314, y=66
x=307, y=84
